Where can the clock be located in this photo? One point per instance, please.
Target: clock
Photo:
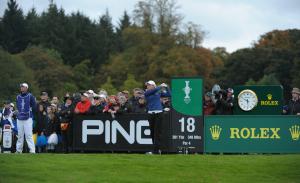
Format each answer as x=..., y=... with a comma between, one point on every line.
x=247, y=100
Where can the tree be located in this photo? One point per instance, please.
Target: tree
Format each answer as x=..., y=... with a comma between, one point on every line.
x=268, y=80
x=79, y=41
x=124, y=23
x=295, y=73
x=105, y=40
x=109, y=87
x=265, y=80
x=33, y=27
x=143, y=15
x=13, y=37
x=13, y=73
x=50, y=73
x=82, y=75
x=130, y=83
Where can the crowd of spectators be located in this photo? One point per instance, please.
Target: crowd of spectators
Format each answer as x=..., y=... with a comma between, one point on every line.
x=53, y=116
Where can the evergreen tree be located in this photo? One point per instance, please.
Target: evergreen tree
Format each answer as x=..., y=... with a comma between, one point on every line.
x=124, y=23
x=13, y=37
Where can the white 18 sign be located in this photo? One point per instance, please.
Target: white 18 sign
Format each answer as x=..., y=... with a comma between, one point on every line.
x=190, y=124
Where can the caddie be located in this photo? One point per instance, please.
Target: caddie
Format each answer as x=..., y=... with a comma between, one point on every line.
x=25, y=104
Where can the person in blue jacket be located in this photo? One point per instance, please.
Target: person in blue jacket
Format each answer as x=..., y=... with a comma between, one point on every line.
x=25, y=104
x=154, y=107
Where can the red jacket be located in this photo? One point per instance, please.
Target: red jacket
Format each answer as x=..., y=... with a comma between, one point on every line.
x=209, y=108
x=83, y=106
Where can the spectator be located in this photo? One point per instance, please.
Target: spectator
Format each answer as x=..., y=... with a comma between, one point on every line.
x=141, y=106
x=137, y=93
x=103, y=92
x=91, y=95
x=41, y=120
x=165, y=102
x=98, y=105
x=84, y=105
x=113, y=106
x=51, y=129
x=125, y=107
x=126, y=94
x=293, y=107
x=44, y=100
x=223, y=105
x=66, y=117
x=41, y=113
x=155, y=109
x=7, y=115
x=208, y=106
x=229, y=102
x=55, y=100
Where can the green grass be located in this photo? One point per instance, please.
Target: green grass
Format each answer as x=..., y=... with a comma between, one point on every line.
x=149, y=168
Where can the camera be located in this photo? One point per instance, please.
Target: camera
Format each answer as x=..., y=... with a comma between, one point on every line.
x=221, y=94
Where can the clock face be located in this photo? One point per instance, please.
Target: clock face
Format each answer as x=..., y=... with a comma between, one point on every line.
x=247, y=100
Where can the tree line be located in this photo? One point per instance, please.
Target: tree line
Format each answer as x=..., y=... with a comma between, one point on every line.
x=60, y=52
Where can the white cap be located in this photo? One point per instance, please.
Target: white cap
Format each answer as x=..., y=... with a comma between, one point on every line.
x=85, y=94
x=150, y=82
x=12, y=104
x=24, y=85
x=90, y=92
x=102, y=96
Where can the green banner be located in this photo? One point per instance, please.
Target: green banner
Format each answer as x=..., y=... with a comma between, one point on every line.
x=186, y=115
x=252, y=134
x=262, y=100
x=187, y=96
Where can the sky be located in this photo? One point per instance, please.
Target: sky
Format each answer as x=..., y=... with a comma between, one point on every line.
x=233, y=24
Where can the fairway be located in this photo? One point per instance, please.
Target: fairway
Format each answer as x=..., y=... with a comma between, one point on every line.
x=149, y=168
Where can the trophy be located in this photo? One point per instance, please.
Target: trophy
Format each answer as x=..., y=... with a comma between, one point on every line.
x=187, y=90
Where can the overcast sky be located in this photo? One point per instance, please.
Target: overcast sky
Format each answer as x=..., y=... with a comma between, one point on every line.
x=232, y=24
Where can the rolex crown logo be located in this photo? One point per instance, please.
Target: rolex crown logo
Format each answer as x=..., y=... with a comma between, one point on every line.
x=215, y=132
x=269, y=96
x=295, y=132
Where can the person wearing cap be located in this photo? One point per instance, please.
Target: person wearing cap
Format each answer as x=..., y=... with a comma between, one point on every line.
x=84, y=105
x=26, y=104
x=98, y=105
x=293, y=107
x=91, y=95
x=153, y=94
x=66, y=118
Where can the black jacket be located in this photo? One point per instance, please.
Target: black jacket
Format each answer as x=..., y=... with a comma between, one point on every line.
x=293, y=107
x=66, y=114
x=52, y=126
x=96, y=109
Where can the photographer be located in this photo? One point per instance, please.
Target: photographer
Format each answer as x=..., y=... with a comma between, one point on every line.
x=224, y=102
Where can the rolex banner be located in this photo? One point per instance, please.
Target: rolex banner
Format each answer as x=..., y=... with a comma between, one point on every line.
x=252, y=134
x=187, y=115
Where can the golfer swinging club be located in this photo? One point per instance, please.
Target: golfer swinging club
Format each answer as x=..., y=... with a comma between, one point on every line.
x=25, y=104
